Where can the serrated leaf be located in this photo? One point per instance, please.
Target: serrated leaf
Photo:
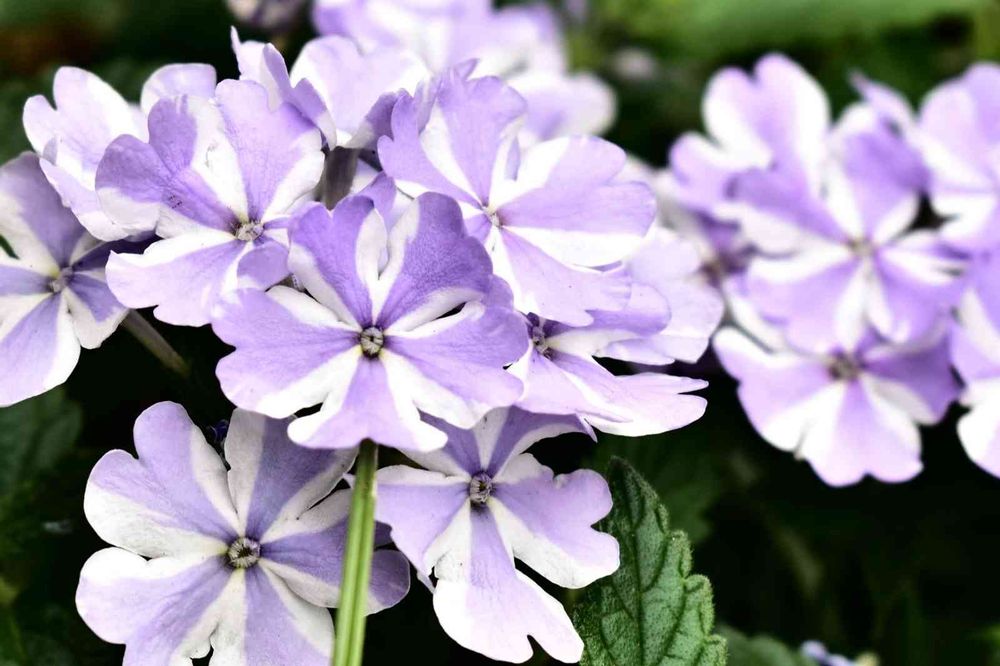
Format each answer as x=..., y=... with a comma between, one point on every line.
x=762, y=651
x=34, y=436
x=652, y=611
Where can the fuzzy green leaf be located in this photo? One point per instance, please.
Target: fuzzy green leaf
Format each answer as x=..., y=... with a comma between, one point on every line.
x=652, y=611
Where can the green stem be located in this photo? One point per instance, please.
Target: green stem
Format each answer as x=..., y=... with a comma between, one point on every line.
x=350, y=636
x=151, y=339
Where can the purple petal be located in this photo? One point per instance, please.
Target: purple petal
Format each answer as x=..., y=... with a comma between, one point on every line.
x=433, y=266
x=547, y=520
x=162, y=609
x=419, y=505
x=184, y=276
x=41, y=231
x=567, y=204
x=173, y=499
x=493, y=608
x=271, y=477
x=174, y=80
x=286, y=346
x=38, y=348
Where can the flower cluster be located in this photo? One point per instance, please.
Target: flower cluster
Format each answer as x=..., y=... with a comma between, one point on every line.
x=842, y=290
x=410, y=236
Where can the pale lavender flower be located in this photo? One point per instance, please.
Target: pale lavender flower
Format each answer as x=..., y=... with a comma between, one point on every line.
x=346, y=93
x=561, y=374
x=551, y=216
x=239, y=557
x=848, y=246
x=217, y=179
x=53, y=294
x=960, y=138
x=850, y=412
x=480, y=503
x=522, y=44
x=403, y=320
x=89, y=114
x=976, y=355
x=777, y=118
x=818, y=652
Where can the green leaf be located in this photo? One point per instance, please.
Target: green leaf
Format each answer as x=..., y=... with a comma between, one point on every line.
x=34, y=436
x=762, y=651
x=652, y=611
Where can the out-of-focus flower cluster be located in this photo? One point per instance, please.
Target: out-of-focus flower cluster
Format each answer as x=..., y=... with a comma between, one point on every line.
x=410, y=235
x=851, y=303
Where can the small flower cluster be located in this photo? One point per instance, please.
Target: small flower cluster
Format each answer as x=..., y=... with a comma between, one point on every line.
x=849, y=303
x=409, y=236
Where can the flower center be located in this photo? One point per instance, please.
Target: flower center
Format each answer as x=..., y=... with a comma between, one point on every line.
x=539, y=341
x=249, y=230
x=494, y=218
x=243, y=553
x=60, y=281
x=861, y=247
x=372, y=340
x=844, y=367
x=480, y=488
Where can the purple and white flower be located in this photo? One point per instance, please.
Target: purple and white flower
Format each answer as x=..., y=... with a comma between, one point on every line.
x=217, y=179
x=240, y=559
x=404, y=321
x=562, y=376
x=850, y=412
x=960, y=140
x=88, y=115
x=848, y=247
x=776, y=118
x=524, y=45
x=346, y=93
x=976, y=355
x=481, y=502
x=552, y=216
x=53, y=294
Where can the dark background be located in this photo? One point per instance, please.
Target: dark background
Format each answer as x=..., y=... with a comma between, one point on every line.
x=908, y=572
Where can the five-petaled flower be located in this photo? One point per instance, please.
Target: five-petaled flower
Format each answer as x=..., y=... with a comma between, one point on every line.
x=395, y=322
x=481, y=502
x=239, y=556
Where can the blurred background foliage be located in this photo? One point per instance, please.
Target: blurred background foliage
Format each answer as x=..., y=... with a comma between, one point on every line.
x=909, y=573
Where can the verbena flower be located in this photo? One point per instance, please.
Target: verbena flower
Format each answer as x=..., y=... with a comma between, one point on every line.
x=89, y=114
x=346, y=93
x=561, y=373
x=976, y=355
x=239, y=556
x=959, y=139
x=394, y=322
x=551, y=216
x=524, y=45
x=776, y=118
x=849, y=412
x=217, y=179
x=53, y=294
x=480, y=503
x=849, y=246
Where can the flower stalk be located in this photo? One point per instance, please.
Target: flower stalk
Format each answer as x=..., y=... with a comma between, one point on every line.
x=155, y=343
x=350, y=634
